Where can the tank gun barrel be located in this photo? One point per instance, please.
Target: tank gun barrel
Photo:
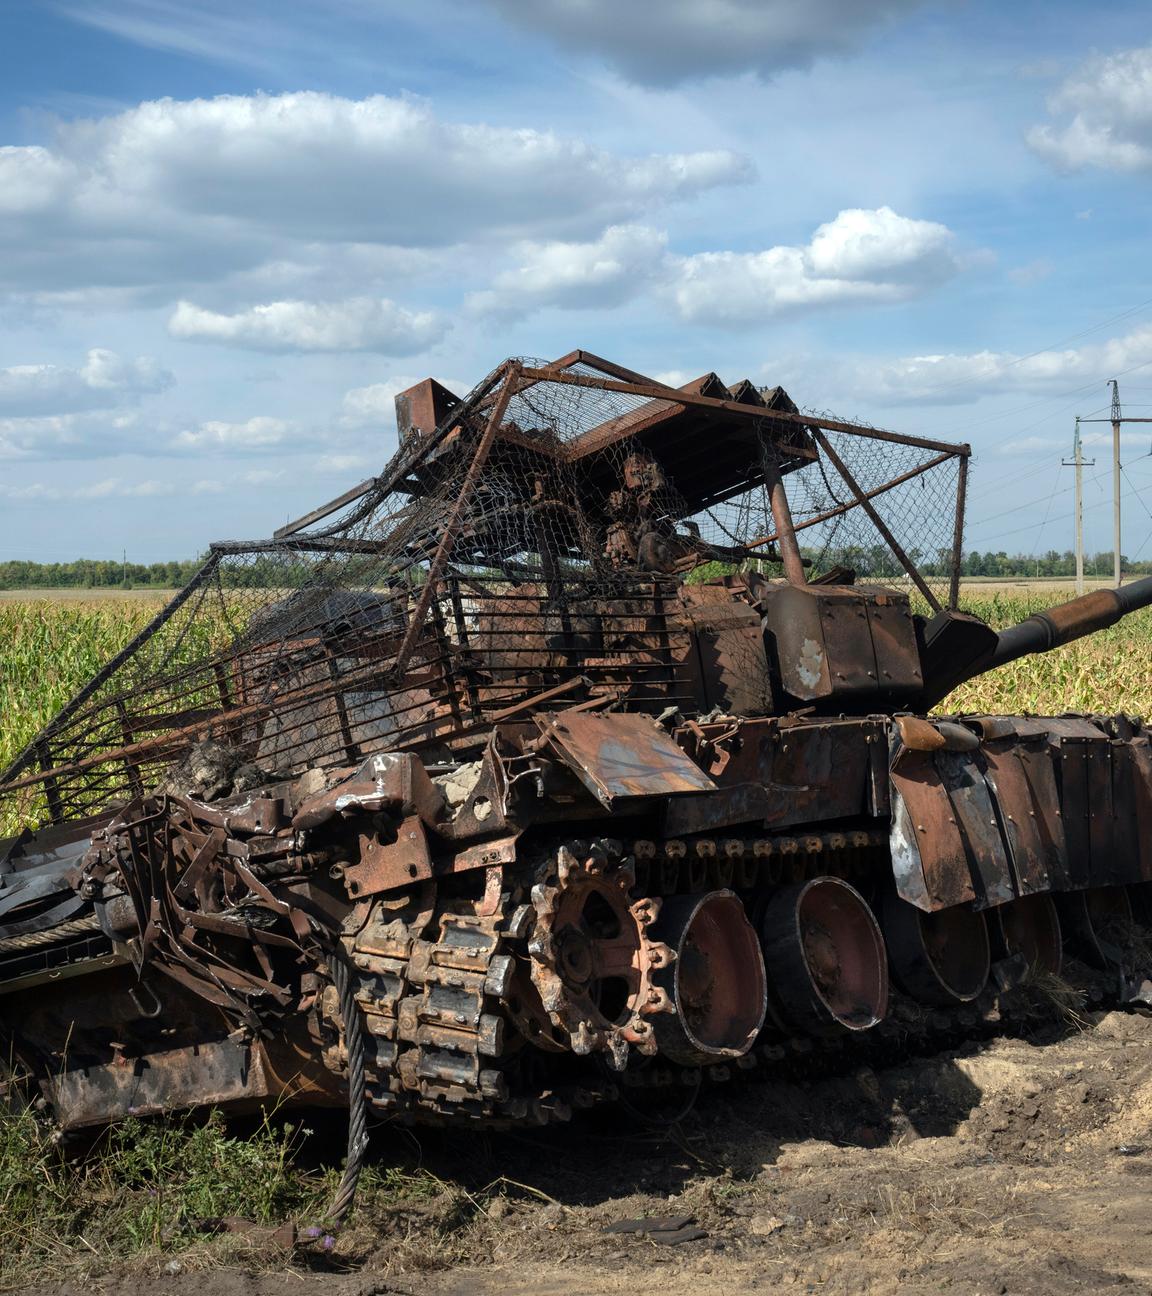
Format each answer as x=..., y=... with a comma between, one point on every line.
x=1067, y=621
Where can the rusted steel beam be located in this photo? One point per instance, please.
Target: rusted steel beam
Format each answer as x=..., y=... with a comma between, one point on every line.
x=958, y=533
x=511, y=385
x=878, y=522
x=402, y=465
x=325, y=510
x=757, y=412
x=845, y=508
x=782, y=517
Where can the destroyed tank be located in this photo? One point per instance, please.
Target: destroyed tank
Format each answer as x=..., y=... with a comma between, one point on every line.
x=587, y=751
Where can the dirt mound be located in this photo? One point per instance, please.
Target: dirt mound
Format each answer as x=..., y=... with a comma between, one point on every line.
x=1018, y=1167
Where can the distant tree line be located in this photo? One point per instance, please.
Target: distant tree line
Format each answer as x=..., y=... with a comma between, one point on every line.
x=95, y=573
x=285, y=571
x=1052, y=563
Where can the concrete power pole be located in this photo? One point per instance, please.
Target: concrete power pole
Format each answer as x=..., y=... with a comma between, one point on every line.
x=1079, y=463
x=1116, y=418
x=1117, y=574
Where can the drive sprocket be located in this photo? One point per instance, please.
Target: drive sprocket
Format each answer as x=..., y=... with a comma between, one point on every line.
x=591, y=957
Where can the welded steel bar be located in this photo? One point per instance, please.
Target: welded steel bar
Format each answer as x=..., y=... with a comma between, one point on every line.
x=958, y=534
x=878, y=522
x=846, y=508
x=756, y=412
x=782, y=517
x=455, y=522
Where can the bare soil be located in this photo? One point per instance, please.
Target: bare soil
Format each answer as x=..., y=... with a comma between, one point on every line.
x=1021, y=1166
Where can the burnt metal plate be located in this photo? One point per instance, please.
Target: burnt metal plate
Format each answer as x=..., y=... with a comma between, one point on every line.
x=622, y=755
x=1141, y=772
x=1019, y=774
x=972, y=807
x=1075, y=755
x=929, y=857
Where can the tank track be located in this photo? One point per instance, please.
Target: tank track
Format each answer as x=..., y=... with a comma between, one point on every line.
x=448, y=1040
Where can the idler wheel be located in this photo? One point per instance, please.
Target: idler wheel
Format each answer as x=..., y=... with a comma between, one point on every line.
x=715, y=981
x=939, y=958
x=825, y=956
x=1094, y=924
x=1030, y=926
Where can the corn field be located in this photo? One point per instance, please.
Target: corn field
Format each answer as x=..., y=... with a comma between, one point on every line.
x=49, y=648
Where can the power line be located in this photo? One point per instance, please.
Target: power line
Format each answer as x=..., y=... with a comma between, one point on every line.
x=1104, y=503
x=1094, y=328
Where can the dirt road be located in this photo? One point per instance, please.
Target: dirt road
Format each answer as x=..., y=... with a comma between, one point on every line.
x=1020, y=1167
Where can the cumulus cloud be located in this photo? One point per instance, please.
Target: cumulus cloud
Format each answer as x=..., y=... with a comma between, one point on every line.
x=862, y=256
x=687, y=39
x=339, y=464
x=103, y=381
x=365, y=406
x=173, y=192
x=118, y=488
x=606, y=272
x=1105, y=109
x=257, y=433
x=357, y=324
x=952, y=379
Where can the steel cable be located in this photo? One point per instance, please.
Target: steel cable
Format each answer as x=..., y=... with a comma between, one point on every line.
x=343, y=978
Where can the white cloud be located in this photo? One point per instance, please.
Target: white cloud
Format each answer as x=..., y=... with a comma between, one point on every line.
x=1032, y=272
x=181, y=192
x=685, y=39
x=103, y=381
x=1108, y=103
x=365, y=406
x=952, y=379
x=257, y=433
x=861, y=256
x=604, y=273
x=357, y=324
x=118, y=488
x=865, y=256
x=48, y=436
x=345, y=463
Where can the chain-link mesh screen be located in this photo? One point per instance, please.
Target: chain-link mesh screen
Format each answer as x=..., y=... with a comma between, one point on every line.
x=554, y=541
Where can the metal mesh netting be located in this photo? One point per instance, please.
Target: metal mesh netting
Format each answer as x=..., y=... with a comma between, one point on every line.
x=920, y=512
x=544, y=545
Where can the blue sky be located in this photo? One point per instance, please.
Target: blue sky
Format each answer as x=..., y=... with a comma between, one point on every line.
x=229, y=233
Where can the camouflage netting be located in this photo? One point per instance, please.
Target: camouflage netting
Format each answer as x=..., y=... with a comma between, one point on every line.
x=533, y=549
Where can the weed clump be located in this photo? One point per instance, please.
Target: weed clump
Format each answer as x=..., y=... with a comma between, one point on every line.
x=145, y=1186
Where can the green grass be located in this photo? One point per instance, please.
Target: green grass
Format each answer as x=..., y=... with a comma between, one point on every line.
x=147, y=1187
x=149, y=1195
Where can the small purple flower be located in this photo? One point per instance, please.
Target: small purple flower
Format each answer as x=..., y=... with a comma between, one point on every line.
x=328, y=1242
x=312, y=1232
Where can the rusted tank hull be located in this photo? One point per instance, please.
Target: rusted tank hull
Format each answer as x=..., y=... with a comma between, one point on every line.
x=515, y=941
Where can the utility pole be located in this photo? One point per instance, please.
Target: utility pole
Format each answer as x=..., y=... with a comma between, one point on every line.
x=1079, y=462
x=1116, y=418
x=1117, y=574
